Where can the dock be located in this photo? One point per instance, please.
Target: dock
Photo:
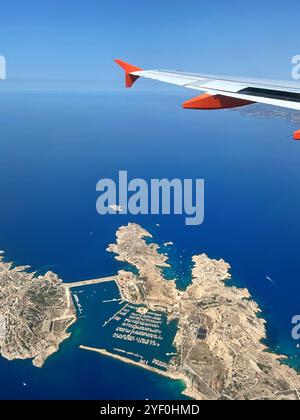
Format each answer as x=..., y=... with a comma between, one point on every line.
x=89, y=282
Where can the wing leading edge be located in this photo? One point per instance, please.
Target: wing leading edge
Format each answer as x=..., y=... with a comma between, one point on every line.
x=222, y=92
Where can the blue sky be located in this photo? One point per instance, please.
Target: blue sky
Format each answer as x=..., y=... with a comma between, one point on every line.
x=72, y=40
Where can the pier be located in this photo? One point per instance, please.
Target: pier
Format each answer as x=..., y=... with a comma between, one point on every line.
x=168, y=374
x=89, y=282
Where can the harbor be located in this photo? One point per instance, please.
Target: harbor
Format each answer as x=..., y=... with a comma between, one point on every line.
x=123, y=329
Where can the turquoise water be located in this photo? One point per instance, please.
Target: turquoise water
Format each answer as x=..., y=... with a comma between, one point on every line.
x=54, y=149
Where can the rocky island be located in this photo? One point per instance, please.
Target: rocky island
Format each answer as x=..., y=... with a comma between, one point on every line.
x=220, y=350
x=35, y=313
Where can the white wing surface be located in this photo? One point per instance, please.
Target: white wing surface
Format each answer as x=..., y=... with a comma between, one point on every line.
x=222, y=92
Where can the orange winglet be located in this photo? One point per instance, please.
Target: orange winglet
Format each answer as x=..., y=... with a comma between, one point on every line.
x=128, y=68
x=297, y=135
x=208, y=101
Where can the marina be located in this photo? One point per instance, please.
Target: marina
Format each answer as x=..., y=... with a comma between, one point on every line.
x=139, y=328
x=128, y=330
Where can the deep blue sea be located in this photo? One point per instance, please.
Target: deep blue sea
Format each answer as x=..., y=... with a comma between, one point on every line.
x=54, y=147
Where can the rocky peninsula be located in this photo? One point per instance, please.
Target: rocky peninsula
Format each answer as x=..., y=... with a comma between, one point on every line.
x=35, y=313
x=220, y=350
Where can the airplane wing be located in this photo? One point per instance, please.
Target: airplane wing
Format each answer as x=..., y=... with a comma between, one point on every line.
x=222, y=92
